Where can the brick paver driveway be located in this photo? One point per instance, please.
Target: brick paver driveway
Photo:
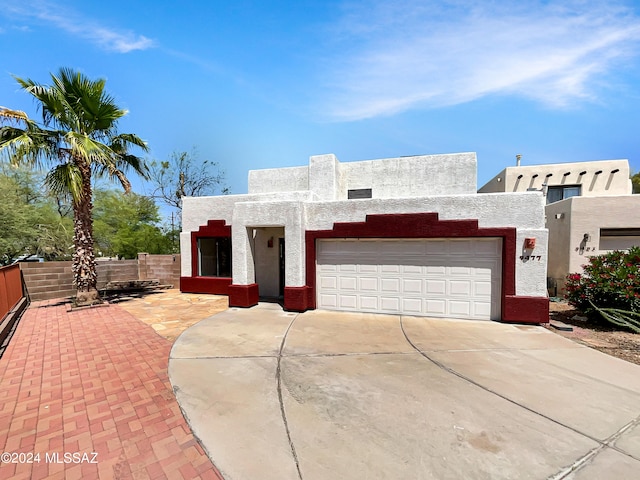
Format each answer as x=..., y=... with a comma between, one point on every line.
x=85, y=394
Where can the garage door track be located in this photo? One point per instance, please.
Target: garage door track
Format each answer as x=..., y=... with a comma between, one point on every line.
x=318, y=395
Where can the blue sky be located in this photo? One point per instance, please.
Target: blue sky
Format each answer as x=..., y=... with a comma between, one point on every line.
x=262, y=84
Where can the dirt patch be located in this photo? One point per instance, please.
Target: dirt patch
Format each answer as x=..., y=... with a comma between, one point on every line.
x=617, y=343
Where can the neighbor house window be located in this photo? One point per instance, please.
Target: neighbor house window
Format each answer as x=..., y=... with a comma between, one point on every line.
x=619, y=238
x=557, y=193
x=214, y=257
x=359, y=193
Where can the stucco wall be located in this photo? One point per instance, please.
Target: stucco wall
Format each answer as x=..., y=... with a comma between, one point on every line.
x=559, y=240
x=417, y=176
x=402, y=177
x=585, y=215
x=288, y=179
x=578, y=173
x=524, y=211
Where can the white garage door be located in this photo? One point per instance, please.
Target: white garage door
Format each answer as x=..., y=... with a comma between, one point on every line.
x=458, y=278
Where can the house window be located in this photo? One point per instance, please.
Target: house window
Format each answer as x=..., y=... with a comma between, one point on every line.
x=359, y=193
x=214, y=257
x=557, y=193
x=619, y=238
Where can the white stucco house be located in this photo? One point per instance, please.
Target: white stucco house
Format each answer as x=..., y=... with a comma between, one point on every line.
x=589, y=210
x=406, y=235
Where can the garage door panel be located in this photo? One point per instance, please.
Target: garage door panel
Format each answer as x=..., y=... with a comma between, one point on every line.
x=328, y=282
x=348, y=283
x=462, y=287
x=412, y=286
x=412, y=269
x=458, y=270
x=390, y=285
x=437, y=270
x=328, y=301
x=433, y=277
x=347, y=268
x=369, y=284
x=459, y=308
x=369, y=303
x=412, y=305
x=436, y=308
x=390, y=268
x=481, y=309
x=437, y=287
x=368, y=268
x=348, y=301
x=481, y=288
x=327, y=268
x=390, y=304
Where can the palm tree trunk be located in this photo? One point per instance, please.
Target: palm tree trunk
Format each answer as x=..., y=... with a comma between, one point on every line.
x=85, y=276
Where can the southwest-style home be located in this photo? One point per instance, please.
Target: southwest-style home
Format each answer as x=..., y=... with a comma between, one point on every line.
x=589, y=209
x=406, y=235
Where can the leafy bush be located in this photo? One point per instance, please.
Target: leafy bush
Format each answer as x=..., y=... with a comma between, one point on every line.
x=610, y=280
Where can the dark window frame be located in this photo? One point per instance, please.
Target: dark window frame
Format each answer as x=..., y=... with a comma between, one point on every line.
x=359, y=193
x=217, y=255
x=564, y=189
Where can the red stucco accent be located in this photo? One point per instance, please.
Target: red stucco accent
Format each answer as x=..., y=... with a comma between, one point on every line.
x=525, y=309
x=298, y=299
x=216, y=285
x=213, y=228
x=243, y=295
x=428, y=225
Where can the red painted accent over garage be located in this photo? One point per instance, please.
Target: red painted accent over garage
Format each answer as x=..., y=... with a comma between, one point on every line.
x=428, y=225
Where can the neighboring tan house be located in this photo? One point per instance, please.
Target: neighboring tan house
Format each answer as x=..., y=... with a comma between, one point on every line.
x=406, y=235
x=590, y=210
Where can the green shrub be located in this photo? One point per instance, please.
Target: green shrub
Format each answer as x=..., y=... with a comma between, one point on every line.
x=610, y=280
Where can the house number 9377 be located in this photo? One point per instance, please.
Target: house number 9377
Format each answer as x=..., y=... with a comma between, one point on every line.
x=526, y=258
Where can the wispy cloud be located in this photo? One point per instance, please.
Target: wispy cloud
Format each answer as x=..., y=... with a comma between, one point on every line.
x=405, y=54
x=74, y=23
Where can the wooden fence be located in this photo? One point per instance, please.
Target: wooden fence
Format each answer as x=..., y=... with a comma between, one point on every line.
x=10, y=289
x=12, y=301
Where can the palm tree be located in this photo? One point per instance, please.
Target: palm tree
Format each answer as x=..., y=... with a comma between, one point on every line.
x=78, y=139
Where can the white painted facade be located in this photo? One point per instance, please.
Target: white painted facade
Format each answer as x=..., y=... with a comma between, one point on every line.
x=286, y=203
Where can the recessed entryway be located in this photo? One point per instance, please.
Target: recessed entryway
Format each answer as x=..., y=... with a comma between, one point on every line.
x=268, y=245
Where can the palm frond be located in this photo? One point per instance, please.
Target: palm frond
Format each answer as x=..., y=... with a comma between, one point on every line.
x=65, y=179
x=13, y=115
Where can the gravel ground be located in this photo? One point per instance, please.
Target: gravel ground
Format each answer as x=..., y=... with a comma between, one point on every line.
x=617, y=343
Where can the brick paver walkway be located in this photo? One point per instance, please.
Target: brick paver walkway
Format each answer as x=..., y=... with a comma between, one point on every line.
x=90, y=381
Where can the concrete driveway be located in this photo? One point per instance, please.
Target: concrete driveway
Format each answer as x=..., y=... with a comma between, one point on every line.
x=328, y=395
